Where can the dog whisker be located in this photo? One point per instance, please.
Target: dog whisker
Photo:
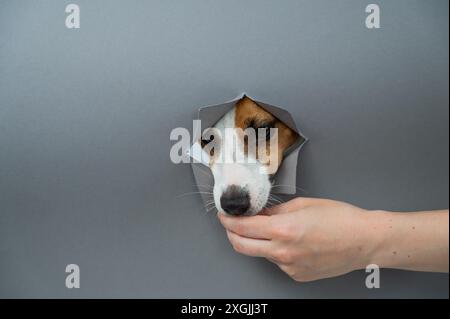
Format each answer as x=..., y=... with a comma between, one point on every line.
x=269, y=204
x=276, y=199
x=212, y=209
x=207, y=187
x=209, y=204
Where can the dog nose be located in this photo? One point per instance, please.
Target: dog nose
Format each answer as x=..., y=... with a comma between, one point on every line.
x=235, y=200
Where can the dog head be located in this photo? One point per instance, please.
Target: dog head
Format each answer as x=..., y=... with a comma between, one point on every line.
x=245, y=149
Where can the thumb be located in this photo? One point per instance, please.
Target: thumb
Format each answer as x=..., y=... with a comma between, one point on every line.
x=292, y=205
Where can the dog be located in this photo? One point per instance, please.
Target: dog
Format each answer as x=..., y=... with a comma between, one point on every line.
x=242, y=188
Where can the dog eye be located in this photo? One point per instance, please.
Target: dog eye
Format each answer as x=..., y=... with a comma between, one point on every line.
x=267, y=125
x=267, y=132
x=206, y=141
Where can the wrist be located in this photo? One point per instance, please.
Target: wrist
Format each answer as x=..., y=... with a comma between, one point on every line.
x=415, y=241
x=376, y=238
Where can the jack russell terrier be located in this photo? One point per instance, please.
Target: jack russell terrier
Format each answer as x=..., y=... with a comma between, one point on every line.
x=243, y=187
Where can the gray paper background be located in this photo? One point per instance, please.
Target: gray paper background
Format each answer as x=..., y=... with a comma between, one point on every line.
x=85, y=117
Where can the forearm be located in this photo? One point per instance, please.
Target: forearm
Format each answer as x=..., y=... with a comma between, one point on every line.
x=414, y=241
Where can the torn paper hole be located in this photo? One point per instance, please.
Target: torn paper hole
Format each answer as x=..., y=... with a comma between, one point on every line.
x=284, y=180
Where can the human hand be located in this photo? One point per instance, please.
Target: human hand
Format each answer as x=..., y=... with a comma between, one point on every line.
x=307, y=238
x=312, y=238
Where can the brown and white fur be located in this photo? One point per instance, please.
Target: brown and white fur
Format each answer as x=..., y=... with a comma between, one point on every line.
x=241, y=188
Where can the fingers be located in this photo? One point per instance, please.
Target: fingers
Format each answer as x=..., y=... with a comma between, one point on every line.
x=249, y=246
x=294, y=204
x=256, y=227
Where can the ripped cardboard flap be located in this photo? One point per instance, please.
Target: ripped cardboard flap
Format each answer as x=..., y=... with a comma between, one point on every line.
x=285, y=179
